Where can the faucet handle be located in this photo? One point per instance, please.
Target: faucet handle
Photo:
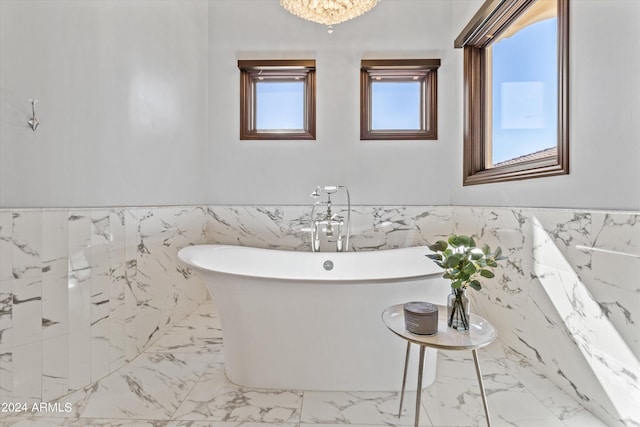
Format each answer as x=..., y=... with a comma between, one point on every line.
x=329, y=189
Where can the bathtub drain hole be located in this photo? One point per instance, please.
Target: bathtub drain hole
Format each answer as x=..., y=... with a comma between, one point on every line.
x=328, y=265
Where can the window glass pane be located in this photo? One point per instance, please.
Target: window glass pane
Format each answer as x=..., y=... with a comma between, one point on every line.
x=279, y=105
x=395, y=105
x=524, y=87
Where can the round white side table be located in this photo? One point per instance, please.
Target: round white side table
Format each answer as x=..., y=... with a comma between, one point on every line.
x=480, y=334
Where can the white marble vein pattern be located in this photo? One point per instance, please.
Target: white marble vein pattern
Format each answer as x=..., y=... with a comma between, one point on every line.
x=159, y=284
x=116, y=422
x=55, y=368
x=360, y=408
x=215, y=398
x=559, y=403
x=615, y=267
x=6, y=340
x=259, y=226
x=597, y=250
x=72, y=293
x=616, y=231
x=199, y=332
x=189, y=388
x=6, y=245
x=100, y=242
x=289, y=227
x=6, y=305
x=27, y=310
x=55, y=329
x=117, y=290
x=27, y=244
x=454, y=399
x=388, y=227
x=79, y=298
x=125, y=288
x=55, y=237
x=55, y=306
x=567, y=273
x=151, y=387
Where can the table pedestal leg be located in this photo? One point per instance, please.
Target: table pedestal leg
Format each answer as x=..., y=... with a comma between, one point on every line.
x=404, y=377
x=482, y=392
x=419, y=391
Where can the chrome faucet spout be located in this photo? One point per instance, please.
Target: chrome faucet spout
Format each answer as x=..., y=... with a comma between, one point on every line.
x=348, y=233
x=331, y=222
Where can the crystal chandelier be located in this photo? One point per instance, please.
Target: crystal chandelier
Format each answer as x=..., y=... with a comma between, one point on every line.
x=328, y=12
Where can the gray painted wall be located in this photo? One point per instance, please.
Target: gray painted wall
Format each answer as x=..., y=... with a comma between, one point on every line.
x=285, y=172
x=122, y=102
x=139, y=106
x=604, y=111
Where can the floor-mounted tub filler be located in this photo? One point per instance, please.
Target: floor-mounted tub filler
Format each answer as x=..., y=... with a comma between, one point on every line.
x=311, y=320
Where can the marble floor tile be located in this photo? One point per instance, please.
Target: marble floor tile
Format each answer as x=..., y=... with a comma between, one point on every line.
x=180, y=382
x=453, y=403
x=351, y=425
x=108, y=422
x=189, y=339
x=563, y=406
x=207, y=308
x=226, y=424
x=237, y=404
x=197, y=333
x=151, y=387
x=455, y=399
x=360, y=408
x=583, y=418
x=519, y=408
x=80, y=422
x=214, y=398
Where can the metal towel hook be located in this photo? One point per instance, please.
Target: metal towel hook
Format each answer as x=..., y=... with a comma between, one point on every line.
x=33, y=123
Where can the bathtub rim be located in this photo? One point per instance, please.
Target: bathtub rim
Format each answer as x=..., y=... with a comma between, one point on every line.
x=183, y=256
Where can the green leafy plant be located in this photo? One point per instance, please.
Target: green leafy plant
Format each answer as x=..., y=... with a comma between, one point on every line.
x=464, y=263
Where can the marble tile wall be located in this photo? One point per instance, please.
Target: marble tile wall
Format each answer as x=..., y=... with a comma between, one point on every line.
x=288, y=227
x=84, y=291
x=567, y=300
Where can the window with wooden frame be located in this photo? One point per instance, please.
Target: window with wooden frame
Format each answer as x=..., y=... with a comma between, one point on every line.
x=399, y=99
x=277, y=99
x=516, y=91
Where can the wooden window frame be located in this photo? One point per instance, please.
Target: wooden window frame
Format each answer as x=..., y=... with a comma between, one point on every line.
x=253, y=71
x=494, y=17
x=423, y=70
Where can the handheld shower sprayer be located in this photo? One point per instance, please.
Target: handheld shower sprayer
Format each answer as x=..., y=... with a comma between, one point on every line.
x=328, y=189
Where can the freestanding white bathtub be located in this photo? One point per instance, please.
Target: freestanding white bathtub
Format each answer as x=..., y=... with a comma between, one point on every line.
x=311, y=320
